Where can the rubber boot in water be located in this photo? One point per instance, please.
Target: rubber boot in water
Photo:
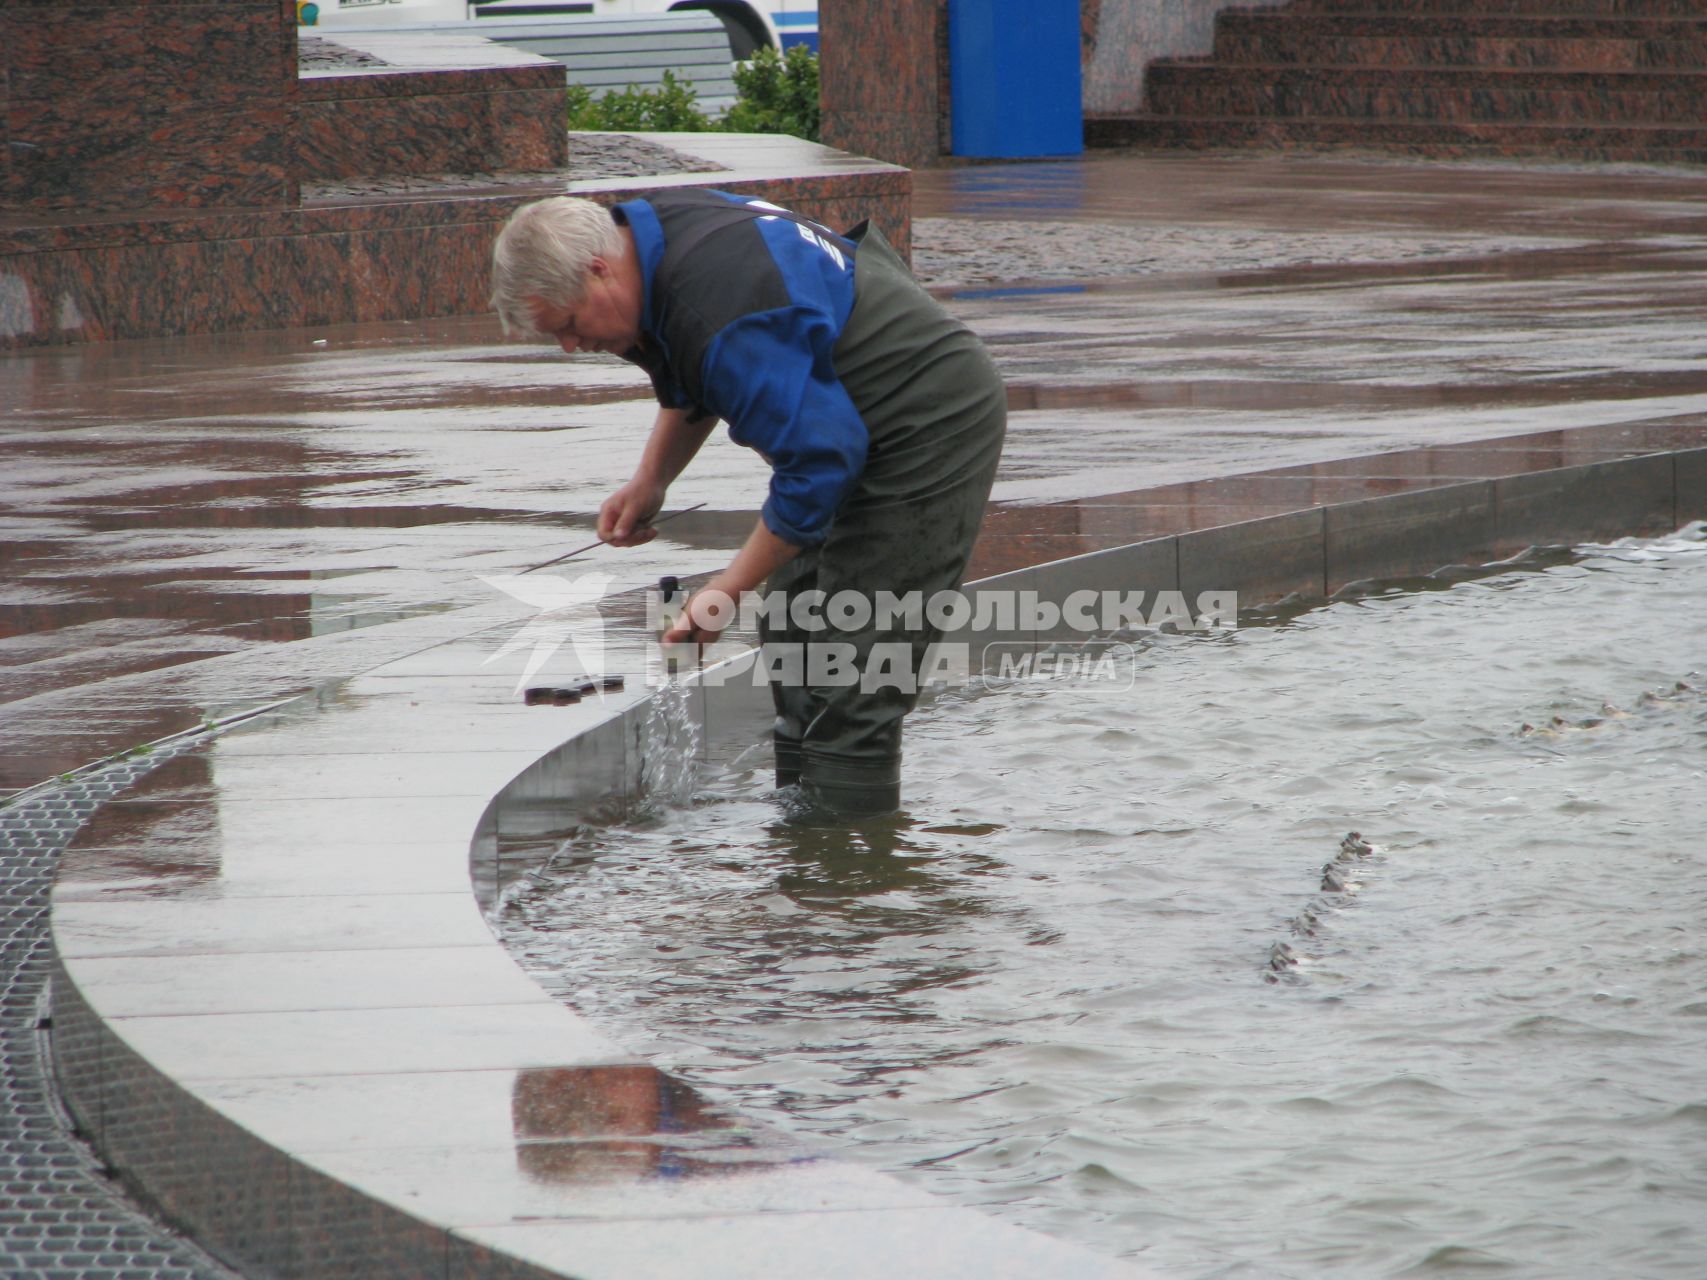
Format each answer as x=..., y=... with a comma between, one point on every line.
x=849, y=788
x=787, y=759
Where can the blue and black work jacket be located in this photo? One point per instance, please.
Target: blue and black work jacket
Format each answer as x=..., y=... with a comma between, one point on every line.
x=743, y=305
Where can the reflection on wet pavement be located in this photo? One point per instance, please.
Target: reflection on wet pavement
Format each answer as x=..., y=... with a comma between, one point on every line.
x=170, y=502
x=625, y=1123
x=1270, y=193
x=196, y=524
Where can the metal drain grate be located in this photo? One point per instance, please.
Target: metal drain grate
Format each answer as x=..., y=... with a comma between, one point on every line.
x=60, y=1217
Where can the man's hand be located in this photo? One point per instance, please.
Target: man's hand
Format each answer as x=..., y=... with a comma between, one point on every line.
x=625, y=519
x=715, y=605
x=707, y=612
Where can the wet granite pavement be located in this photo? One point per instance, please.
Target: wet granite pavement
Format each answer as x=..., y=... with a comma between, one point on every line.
x=193, y=525
x=196, y=526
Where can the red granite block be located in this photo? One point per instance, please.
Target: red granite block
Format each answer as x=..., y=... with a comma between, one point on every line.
x=92, y=61
x=433, y=132
x=878, y=77
x=1591, y=79
x=1541, y=8
x=415, y=83
x=1457, y=95
x=188, y=158
x=76, y=52
x=286, y=8
x=235, y=53
x=210, y=271
x=1652, y=143
x=1286, y=38
x=163, y=104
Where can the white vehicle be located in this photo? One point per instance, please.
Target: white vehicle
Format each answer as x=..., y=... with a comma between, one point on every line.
x=750, y=23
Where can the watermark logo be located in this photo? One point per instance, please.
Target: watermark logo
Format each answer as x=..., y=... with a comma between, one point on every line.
x=566, y=613
x=1083, y=614
x=1099, y=666
x=992, y=638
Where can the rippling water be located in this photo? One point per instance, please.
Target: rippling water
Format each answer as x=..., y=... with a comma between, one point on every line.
x=1047, y=989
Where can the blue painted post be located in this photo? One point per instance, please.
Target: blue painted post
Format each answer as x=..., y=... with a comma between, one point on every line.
x=1014, y=83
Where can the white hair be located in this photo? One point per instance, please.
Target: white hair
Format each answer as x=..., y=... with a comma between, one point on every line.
x=543, y=252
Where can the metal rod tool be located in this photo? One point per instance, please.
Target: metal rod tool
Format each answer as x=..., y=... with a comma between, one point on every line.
x=599, y=542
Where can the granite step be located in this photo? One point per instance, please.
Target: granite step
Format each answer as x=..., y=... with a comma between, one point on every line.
x=1286, y=38
x=1653, y=144
x=1458, y=96
x=1553, y=9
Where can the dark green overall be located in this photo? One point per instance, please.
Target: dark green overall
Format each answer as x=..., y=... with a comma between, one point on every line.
x=936, y=412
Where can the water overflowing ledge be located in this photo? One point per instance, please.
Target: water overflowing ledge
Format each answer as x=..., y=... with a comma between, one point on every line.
x=282, y=1017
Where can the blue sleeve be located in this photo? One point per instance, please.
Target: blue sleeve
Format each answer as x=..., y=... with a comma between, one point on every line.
x=772, y=376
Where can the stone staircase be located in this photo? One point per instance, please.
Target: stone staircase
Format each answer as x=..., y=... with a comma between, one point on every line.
x=1581, y=79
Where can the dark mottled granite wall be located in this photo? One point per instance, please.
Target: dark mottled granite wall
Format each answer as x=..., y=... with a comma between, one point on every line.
x=154, y=157
x=124, y=104
x=1429, y=77
x=366, y=124
x=264, y=270
x=404, y=102
x=1122, y=36
x=878, y=78
x=378, y=259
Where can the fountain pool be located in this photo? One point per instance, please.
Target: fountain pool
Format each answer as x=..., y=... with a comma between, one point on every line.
x=1062, y=984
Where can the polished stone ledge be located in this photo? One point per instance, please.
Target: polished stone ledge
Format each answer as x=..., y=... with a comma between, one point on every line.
x=1541, y=487
x=431, y=103
x=355, y=253
x=283, y=1018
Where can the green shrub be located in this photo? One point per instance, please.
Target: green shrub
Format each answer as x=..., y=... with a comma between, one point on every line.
x=580, y=100
x=774, y=93
x=670, y=108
